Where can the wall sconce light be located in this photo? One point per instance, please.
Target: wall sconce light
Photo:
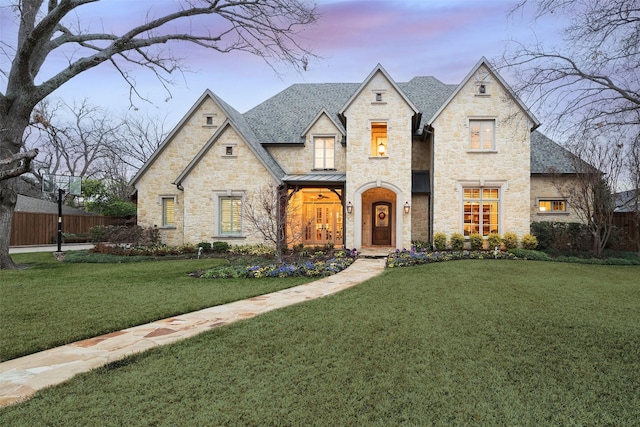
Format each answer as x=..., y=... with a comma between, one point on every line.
x=349, y=208
x=407, y=207
x=381, y=149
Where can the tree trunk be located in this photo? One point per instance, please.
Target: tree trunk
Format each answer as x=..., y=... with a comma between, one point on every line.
x=14, y=119
x=8, y=199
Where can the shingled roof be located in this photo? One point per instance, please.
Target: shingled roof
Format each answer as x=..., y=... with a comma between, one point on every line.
x=33, y=205
x=549, y=157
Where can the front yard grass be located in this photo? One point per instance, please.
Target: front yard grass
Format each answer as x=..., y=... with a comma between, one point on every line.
x=489, y=342
x=53, y=303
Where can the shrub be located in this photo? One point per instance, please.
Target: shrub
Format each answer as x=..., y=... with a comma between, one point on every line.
x=420, y=245
x=206, y=246
x=256, y=250
x=493, y=240
x=510, y=240
x=529, y=241
x=457, y=241
x=476, y=241
x=135, y=235
x=221, y=247
x=439, y=241
x=530, y=254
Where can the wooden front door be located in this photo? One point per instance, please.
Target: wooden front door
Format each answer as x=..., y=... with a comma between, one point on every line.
x=381, y=224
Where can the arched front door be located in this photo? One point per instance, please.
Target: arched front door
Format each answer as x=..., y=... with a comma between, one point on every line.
x=381, y=224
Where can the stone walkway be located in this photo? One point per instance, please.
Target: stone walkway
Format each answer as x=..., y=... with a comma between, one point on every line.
x=20, y=378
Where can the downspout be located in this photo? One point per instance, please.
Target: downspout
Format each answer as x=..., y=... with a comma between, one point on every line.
x=431, y=176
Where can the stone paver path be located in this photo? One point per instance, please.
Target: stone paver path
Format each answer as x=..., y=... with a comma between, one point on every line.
x=20, y=378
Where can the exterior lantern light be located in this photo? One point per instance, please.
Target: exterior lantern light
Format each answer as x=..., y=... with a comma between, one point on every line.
x=407, y=207
x=349, y=208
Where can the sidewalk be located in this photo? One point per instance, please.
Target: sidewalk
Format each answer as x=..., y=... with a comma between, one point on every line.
x=50, y=248
x=20, y=378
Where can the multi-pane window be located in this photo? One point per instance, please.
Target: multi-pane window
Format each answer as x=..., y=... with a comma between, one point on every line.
x=324, y=153
x=481, y=210
x=379, y=139
x=482, y=134
x=230, y=215
x=552, y=206
x=168, y=212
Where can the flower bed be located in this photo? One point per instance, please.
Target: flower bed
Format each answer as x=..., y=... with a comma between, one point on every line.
x=310, y=268
x=405, y=257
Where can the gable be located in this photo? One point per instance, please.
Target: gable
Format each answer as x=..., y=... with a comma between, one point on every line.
x=484, y=74
x=185, y=139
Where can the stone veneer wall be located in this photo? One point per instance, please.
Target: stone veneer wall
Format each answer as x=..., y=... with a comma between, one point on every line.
x=393, y=171
x=157, y=180
x=547, y=187
x=420, y=217
x=508, y=166
x=216, y=173
x=299, y=159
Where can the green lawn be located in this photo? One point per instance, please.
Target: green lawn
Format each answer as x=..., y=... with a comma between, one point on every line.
x=54, y=303
x=456, y=343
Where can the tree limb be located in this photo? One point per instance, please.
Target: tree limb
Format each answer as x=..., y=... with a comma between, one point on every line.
x=24, y=158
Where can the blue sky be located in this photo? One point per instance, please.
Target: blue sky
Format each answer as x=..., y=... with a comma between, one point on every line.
x=441, y=38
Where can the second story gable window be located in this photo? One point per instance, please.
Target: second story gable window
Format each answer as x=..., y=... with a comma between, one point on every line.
x=324, y=152
x=379, y=147
x=482, y=135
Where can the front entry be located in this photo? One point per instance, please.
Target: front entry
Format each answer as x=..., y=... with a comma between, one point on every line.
x=381, y=224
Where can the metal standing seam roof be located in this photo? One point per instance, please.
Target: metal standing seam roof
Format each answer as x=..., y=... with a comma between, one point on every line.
x=310, y=178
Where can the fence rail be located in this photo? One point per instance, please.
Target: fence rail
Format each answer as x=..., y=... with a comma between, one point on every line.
x=42, y=228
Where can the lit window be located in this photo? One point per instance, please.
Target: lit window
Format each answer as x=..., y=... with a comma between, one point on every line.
x=230, y=215
x=379, y=139
x=324, y=153
x=168, y=212
x=481, y=208
x=552, y=206
x=481, y=135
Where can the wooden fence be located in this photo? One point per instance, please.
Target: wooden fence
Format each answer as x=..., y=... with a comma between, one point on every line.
x=30, y=228
x=629, y=229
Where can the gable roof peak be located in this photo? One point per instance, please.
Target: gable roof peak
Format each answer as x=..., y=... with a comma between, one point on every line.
x=377, y=69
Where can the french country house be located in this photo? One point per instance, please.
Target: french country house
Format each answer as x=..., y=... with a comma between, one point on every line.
x=374, y=163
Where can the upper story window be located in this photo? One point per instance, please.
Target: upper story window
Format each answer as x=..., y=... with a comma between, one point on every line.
x=324, y=153
x=168, y=211
x=482, y=135
x=379, y=147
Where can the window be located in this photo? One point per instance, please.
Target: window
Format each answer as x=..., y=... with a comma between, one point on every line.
x=482, y=135
x=379, y=139
x=168, y=211
x=228, y=150
x=324, y=153
x=230, y=215
x=481, y=208
x=552, y=206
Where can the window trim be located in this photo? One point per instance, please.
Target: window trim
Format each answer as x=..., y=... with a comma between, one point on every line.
x=565, y=211
x=217, y=197
x=502, y=187
x=373, y=153
x=324, y=137
x=482, y=119
x=161, y=201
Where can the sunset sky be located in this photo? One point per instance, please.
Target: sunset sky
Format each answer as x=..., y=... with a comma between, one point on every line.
x=441, y=38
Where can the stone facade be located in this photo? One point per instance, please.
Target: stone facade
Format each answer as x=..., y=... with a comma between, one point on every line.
x=457, y=166
x=214, y=152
